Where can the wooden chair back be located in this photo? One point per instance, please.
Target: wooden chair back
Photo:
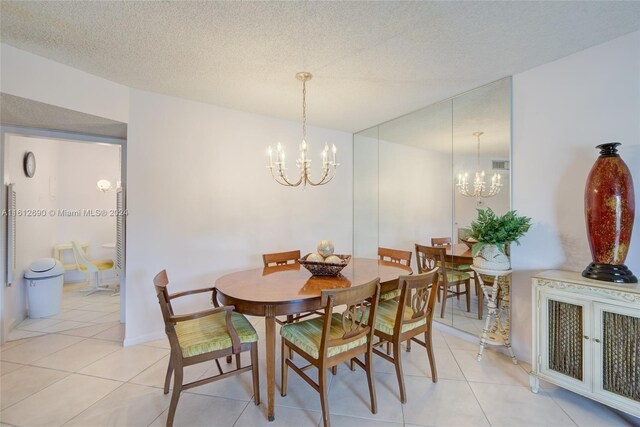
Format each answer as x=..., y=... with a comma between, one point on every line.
x=160, y=282
x=430, y=258
x=441, y=241
x=419, y=293
x=354, y=324
x=395, y=255
x=280, y=258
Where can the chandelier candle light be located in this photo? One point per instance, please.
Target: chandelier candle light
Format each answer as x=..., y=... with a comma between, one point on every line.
x=478, y=183
x=303, y=163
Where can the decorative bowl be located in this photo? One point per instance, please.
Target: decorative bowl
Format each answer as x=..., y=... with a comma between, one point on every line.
x=470, y=241
x=323, y=268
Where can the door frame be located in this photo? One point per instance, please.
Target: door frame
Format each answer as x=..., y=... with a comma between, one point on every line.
x=31, y=132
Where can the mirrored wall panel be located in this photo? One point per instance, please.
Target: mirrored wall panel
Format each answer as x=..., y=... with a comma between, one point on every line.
x=418, y=177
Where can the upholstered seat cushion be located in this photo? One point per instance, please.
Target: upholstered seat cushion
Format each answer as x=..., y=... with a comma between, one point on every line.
x=457, y=276
x=459, y=267
x=390, y=295
x=207, y=334
x=307, y=334
x=102, y=264
x=386, y=317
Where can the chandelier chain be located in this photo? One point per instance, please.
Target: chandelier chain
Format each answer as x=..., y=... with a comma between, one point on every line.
x=304, y=110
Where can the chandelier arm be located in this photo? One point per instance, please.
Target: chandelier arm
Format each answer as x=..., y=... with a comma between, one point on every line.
x=282, y=179
x=323, y=179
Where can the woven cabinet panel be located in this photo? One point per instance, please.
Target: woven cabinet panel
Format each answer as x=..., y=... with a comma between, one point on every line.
x=565, y=339
x=621, y=355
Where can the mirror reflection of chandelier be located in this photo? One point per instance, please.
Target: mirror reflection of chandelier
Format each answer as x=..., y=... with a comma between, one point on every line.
x=479, y=187
x=303, y=163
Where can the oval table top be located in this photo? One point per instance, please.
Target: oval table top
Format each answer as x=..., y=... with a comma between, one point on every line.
x=293, y=283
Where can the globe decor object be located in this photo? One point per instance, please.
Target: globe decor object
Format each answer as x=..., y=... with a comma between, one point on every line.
x=609, y=209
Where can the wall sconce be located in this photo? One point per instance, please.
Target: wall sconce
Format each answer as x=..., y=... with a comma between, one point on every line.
x=104, y=185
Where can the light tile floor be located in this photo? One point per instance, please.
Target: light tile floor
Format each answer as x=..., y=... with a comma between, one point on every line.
x=80, y=315
x=89, y=380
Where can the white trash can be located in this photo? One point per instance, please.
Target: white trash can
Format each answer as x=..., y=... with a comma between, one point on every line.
x=44, y=279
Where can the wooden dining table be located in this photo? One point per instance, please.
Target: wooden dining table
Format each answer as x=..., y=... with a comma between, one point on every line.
x=459, y=254
x=291, y=289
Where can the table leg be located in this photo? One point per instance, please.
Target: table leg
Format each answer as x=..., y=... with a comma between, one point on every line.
x=270, y=329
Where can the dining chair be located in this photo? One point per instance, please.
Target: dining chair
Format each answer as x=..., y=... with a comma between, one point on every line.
x=284, y=258
x=203, y=336
x=399, y=257
x=280, y=258
x=334, y=338
x=405, y=319
x=93, y=267
x=445, y=242
x=429, y=258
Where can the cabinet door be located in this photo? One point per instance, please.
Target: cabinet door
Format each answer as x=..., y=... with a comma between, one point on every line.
x=617, y=353
x=564, y=340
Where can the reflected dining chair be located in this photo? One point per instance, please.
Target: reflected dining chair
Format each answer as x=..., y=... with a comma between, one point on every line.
x=405, y=319
x=280, y=258
x=429, y=258
x=93, y=267
x=284, y=258
x=445, y=242
x=399, y=257
x=334, y=338
x=203, y=336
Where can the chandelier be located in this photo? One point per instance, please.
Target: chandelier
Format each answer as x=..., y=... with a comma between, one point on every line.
x=278, y=167
x=479, y=185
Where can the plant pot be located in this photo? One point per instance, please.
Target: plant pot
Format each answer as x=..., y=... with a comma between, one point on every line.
x=490, y=258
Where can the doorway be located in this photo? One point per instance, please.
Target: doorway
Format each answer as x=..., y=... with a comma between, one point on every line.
x=77, y=193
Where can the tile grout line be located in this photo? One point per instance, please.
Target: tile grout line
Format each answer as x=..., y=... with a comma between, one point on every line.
x=469, y=384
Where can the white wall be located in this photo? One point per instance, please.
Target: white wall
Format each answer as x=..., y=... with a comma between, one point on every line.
x=365, y=194
x=81, y=165
x=415, y=195
x=561, y=111
x=65, y=178
x=202, y=203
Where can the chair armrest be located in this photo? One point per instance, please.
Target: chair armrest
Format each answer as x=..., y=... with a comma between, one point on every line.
x=192, y=292
x=200, y=314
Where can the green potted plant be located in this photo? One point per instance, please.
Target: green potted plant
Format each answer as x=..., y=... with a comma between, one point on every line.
x=493, y=234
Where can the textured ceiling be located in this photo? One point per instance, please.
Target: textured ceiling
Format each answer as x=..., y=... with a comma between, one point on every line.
x=371, y=61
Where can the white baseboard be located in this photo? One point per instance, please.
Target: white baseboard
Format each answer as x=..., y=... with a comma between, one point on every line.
x=129, y=341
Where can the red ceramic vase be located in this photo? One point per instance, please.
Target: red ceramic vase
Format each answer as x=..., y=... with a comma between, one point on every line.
x=609, y=208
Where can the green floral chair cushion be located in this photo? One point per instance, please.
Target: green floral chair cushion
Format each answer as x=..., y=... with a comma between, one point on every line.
x=390, y=295
x=459, y=267
x=207, y=334
x=307, y=334
x=386, y=317
x=457, y=276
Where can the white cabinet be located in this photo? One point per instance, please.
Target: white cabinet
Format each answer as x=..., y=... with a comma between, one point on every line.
x=586, y=338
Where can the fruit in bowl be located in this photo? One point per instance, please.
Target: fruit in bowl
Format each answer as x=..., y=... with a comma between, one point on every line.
x=333, y=259
x=315, y=257
x=325, y=248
